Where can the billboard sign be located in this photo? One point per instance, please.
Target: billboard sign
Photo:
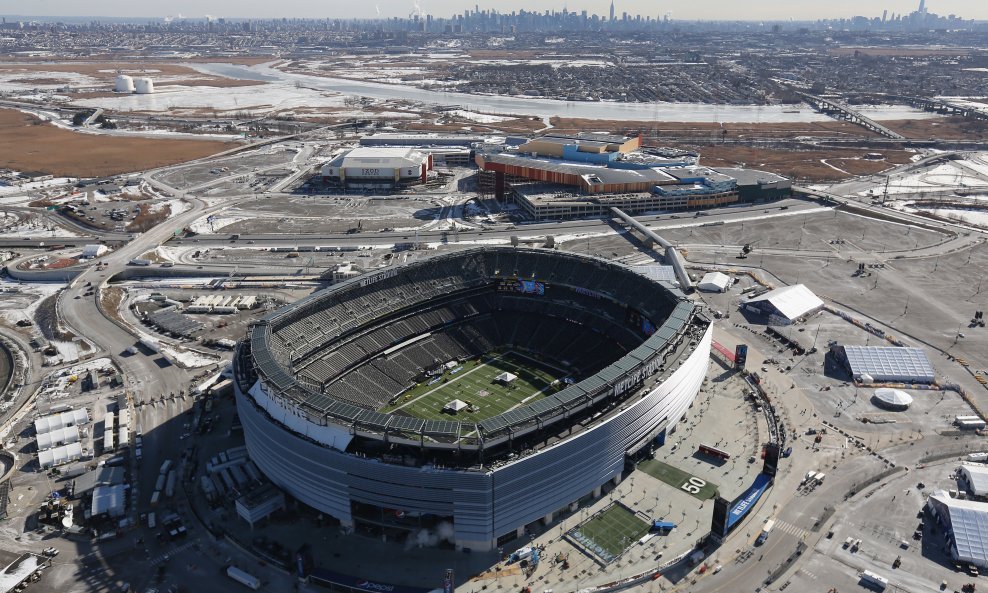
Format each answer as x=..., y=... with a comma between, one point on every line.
x=746, y=502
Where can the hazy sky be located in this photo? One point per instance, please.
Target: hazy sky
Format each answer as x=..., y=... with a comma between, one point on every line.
x=698, y=9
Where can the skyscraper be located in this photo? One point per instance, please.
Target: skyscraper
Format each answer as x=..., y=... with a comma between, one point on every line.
x=922, y=7
x=612, y=12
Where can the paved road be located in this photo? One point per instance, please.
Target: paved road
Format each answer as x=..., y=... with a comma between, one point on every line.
x=657, y=222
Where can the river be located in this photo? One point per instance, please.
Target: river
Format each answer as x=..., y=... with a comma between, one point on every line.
x=679, y=112
x=669, y=112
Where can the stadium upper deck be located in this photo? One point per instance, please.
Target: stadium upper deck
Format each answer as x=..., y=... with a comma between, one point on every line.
x=285, y=348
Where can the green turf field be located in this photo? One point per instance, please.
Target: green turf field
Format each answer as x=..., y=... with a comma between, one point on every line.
x=474, y=384
x=677, y=478
x=611, y=532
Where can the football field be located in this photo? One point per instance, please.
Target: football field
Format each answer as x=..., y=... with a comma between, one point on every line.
x=611, y=532
x=473, y=383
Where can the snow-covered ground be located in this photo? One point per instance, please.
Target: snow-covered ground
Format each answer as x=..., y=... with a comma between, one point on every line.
x=96, y=364
x=174, y=206
x=31, y=226
x=892, y=112
x=179, y=206
x=963, y=215
x=969, y=173
x=214, y=222
x=284, y=88
x=277, y=96
x=6, y=190
x=189, y=358
x=21, y=81
x=973, y=217
x=19, y=300
x=483, y=118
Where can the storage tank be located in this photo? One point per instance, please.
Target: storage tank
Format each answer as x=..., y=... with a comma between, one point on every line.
x=125, y=84
x=145, y=86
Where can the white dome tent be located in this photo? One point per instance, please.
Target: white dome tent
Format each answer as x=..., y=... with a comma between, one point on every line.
x=892, y=399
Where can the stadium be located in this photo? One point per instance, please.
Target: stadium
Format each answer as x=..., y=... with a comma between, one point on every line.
x=468, y=395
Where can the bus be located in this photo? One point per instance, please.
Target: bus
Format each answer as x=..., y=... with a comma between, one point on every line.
x=713, y=452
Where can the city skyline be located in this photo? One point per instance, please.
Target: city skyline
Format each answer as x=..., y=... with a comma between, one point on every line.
x=755, y=10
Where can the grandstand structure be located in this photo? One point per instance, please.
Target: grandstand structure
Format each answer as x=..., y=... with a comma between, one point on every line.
x=625, y=356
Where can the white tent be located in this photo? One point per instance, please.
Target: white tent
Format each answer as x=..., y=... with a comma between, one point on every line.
x=976, y=477
x=789, y=302
x=108, y=500
x=454, y=406
x=714, y=282
x=91, y=251
x=893, y=399
x=890, y=363
x=61, y=420
x=505, y=378
x=60, y=455
x=61, y=436
x=966, y=521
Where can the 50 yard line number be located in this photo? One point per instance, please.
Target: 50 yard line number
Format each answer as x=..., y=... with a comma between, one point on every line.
x=693, y=485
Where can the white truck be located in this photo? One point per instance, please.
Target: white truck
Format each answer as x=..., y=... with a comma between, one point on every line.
x=246, y=579
x=873, y=580
x=170, y=484
x=766, y=530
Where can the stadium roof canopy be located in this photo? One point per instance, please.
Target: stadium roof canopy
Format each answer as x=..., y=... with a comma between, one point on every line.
x=658, y=272
x=714, y=282
x=791, y=302
x=968, y=523
x=890, y=363
x=375, y=155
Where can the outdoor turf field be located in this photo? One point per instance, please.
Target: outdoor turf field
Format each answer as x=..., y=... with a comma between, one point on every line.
x=610, y=533
x=473, y=383
x=677, y=478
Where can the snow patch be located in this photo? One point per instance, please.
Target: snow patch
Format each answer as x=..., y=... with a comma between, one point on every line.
x=208, y=225
x=483, y=118
x=189, y=358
